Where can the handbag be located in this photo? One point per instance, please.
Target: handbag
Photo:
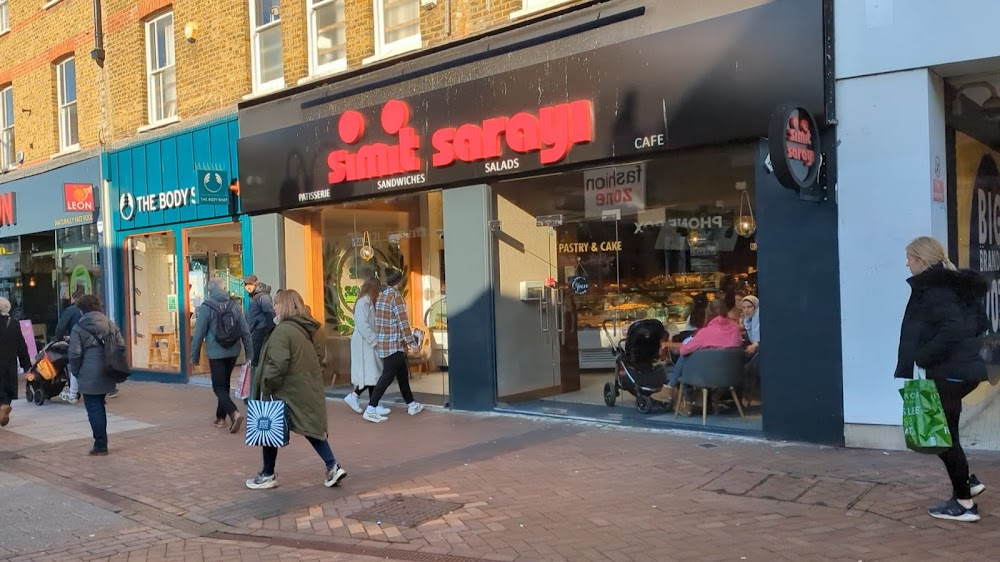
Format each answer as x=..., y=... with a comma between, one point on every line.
x=243, y=384
x=267, y=423
x=925, y=427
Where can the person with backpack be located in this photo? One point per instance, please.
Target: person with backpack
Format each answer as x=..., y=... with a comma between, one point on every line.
x=97, y=356
x=221, y=326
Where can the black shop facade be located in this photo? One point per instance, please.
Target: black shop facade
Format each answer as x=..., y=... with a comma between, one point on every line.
x=539, y=206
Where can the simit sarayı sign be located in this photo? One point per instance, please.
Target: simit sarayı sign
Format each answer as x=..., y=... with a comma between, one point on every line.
x=499, y=143
x=397, y=130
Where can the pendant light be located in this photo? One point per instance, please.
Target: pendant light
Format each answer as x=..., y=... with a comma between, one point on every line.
x=746, y=225
x=367, y=252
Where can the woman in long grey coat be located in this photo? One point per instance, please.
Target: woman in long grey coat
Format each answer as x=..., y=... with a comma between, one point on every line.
x=86, y=359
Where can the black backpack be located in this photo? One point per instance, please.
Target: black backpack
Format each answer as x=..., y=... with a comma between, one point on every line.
x=115, y=358
x=225, y=322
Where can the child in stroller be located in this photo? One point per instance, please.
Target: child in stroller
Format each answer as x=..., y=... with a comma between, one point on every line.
x=48, y=375
x=637, y=369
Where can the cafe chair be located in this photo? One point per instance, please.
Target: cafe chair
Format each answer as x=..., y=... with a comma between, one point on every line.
x=710, y=369
x=422, y=359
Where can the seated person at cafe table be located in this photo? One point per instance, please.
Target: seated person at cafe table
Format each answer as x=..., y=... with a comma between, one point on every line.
x=719, y=333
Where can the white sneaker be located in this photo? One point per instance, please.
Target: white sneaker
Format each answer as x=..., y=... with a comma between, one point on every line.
x=382, y=410
x=261, y=482
x=352, y=400
x=414, y=408
x=373, y=416
x=334, y=476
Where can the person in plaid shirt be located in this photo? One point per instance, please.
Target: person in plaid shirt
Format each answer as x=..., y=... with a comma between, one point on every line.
x=393, y=338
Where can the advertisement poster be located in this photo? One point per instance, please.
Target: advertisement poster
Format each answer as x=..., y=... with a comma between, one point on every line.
x=28, y=332
x=977, y=197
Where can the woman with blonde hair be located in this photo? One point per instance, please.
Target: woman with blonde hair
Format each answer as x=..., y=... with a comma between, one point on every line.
x=941, y=334
x=290, y=371
x=366, y=365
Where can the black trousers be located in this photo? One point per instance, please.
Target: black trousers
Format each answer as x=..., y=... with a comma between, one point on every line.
x=8, y=385
x=954, y=458
x=394, y=367
x=222, y=374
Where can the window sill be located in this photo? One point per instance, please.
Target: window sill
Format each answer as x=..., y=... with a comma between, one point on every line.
x=395, y=51
x=66, y=151
x=5, y=32
x=322, y=73
x=159, y=124
x=261, y=92
x=525, y=12
x=50, y=3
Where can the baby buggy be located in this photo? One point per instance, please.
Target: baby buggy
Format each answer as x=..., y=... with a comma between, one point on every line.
x=48, y=375
x=636, y=368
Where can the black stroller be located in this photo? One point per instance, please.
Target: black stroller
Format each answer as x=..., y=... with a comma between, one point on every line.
x=48, y=374
x=636, y=368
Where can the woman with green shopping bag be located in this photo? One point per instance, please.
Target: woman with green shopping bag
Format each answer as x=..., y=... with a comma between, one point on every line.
x=941, y=334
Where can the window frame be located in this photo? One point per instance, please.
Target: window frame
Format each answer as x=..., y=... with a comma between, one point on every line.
x=150, y=72
x=4, y=16
x=314, y=67
x=255, y=70
x=62, y=105
x=8, y=155
x=383, y=49
x=531, y=7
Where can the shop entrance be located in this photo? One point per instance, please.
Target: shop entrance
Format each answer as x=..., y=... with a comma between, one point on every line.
x=211, y=251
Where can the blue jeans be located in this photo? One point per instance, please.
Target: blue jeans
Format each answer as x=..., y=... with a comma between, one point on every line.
x=322, y=449
x=675, y=373
x=98, y=417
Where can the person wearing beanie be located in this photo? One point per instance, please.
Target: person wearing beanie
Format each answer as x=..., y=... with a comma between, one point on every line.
x=393, y=338
x=260, y=314
x=13, y=350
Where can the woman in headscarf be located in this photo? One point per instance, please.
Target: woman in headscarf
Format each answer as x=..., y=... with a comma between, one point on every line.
x=751, y=321
x=13, y=349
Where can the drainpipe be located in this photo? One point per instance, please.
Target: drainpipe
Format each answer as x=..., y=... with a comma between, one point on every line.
x=98, y=53
x=447, y=18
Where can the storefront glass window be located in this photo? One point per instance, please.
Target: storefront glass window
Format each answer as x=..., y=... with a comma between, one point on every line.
x=602, y=248
x=152, y=301
x=212, y=251
x=346, y=244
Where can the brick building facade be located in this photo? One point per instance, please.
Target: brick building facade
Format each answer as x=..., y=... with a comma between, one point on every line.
x=213, y=68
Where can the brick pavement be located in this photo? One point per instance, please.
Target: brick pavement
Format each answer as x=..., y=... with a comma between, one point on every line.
x=528, y=489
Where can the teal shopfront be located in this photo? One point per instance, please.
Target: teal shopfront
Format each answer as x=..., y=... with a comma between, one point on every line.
x=177, y=224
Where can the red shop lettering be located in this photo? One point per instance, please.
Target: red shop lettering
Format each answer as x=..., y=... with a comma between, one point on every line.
x=552, y=134
x=799, y=141
x=375, y=160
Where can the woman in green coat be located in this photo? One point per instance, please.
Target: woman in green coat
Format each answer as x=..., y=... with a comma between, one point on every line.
x=289, y=370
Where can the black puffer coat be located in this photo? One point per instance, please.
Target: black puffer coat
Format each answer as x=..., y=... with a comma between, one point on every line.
x=943, y=325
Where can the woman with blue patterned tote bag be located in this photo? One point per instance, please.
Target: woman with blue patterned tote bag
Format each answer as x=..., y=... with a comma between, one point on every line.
x=288, y=382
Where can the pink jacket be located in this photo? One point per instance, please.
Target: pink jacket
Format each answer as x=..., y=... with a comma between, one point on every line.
x=719, y=333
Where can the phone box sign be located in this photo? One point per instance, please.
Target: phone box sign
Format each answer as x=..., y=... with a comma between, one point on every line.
x=550, y=133
x=78, y=197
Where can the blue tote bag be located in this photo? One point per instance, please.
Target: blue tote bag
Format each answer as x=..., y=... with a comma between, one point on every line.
x=267, y=423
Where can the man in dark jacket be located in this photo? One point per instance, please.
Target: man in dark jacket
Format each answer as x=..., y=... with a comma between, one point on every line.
x=221, y=359
x=86, y=359
x=260, y=316
x=13, y=350
x=67, y=322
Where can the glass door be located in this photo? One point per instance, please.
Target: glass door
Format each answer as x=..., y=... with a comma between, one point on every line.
x=557, y=283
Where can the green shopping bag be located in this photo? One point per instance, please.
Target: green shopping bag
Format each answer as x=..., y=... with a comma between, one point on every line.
x=924, y=425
